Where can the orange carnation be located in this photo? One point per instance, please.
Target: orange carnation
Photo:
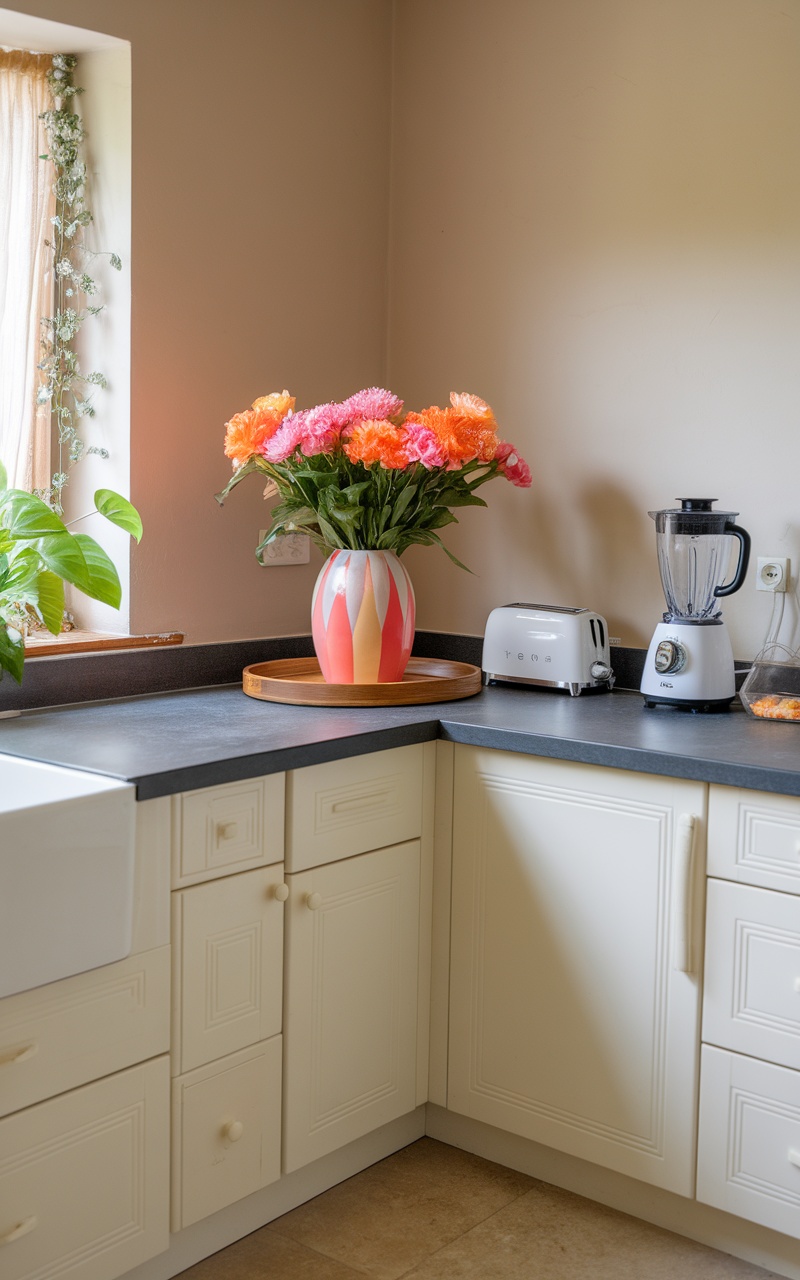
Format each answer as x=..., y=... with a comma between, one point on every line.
x=472, y=407
x=279, y=402
x=376, y=441
x=248, y=432
x=464, y=437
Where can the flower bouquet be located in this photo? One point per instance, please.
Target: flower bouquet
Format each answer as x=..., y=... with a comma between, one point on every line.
x=366, y=481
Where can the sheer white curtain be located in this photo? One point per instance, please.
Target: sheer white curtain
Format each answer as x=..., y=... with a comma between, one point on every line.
x=27, y=204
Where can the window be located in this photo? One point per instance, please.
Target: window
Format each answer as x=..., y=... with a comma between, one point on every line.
x=104, y=72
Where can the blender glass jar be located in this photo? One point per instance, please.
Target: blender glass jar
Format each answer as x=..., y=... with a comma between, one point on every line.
x=694, y=547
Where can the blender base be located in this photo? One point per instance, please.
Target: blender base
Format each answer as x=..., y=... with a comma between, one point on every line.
x=707, y=706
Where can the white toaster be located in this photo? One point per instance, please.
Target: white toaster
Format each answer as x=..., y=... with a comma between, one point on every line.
x=547, y=644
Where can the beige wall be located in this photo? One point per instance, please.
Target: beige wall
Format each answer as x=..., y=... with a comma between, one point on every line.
x=595, y=224
x=260, y=216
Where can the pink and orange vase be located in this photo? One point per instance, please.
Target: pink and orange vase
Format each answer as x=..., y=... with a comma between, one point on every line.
x=362, y=618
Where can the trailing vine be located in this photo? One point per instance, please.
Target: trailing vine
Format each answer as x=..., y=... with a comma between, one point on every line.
x=66, y=388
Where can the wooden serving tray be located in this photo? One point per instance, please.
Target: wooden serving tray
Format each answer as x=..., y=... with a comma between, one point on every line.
x=299, y=681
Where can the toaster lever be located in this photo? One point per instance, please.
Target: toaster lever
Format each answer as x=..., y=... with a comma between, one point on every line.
x=600, y=671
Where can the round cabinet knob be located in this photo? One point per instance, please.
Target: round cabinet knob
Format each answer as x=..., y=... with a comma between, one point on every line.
x=670, y=657
x=313, y=901
x=281, y=892
x=233, y=1130
x=600, y=671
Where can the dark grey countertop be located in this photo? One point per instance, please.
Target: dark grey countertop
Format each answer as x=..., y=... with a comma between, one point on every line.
x=180, y=741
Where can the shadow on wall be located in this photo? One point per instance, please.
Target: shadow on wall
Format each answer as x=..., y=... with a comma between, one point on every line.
x=611, y=541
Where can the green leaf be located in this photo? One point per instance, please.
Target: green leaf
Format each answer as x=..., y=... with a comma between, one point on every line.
x=408, y=494
x=102, y=579
x=238, y=475
x=20, y=574
x=3, y=477
x=329, y=534
x=119, y=511
x=26, y=517
x=457, y=498
x=12, y=652
x=62, y=554
x=49, y=600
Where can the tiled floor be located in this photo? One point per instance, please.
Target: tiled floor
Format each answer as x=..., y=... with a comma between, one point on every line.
x=432, y=1212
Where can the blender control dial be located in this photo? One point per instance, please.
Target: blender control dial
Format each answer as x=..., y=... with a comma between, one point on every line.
x=670, y=657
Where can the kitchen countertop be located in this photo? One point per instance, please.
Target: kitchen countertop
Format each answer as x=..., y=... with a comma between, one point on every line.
x=181, y=741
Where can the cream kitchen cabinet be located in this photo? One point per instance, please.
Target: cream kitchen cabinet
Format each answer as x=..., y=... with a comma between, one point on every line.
x=227, y=967
x=575, y=959
x=84, y=1089
x=357, y=949
x=749, y=1135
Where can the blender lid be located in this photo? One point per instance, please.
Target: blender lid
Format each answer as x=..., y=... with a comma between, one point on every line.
x=694, y=516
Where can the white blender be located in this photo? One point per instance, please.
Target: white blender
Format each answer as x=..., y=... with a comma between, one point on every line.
x=690, y=660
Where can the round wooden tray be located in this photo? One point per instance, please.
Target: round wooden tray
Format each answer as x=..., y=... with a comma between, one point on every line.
x=299, y=681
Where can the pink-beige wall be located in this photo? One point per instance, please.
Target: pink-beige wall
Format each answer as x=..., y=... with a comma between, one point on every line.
x=590, y=212
x=259, y=245
x=596, y=227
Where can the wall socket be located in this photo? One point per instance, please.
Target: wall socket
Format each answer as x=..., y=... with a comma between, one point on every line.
x=772, y=573
x=289, y=548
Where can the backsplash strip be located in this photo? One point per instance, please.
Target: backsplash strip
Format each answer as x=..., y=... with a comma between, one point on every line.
x=126, y=673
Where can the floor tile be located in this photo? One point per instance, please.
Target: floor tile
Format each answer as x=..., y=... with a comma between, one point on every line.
x=549, y=1234
x=267, y=1256
x=389, y=1218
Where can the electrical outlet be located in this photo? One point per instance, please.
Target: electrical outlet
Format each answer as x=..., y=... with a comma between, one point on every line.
x=772, y=573
x=289, y=548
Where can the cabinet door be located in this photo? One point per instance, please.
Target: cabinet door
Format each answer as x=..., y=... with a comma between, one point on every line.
x=227, y=964
x=574, y=1004
x=84, y=1179
x=352, y=947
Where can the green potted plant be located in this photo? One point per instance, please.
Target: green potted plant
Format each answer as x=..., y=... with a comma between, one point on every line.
x=38, y=554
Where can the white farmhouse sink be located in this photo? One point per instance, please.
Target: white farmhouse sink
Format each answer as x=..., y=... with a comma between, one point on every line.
x=66, y=872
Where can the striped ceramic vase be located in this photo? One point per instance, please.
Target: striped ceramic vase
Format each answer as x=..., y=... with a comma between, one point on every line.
x=362, y=617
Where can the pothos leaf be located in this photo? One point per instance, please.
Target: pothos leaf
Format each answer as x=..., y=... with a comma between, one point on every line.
x=102, y=581
x=12, y=652
x=119, y=511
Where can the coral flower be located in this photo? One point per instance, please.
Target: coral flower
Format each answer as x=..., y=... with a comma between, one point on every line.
x=248, y=432
x=472, y=407
x=462, y=438
x=376, y=441
x=279, y=402
x=512, y=466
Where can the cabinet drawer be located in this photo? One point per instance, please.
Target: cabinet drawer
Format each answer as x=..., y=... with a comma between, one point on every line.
x=754, y=838
x=220, y=830
x=749, y=1139
x=751, y=999
x=226, y=1132
x=67, y=1033
x=346, y=807
x=227, y=966
x=84, y=1179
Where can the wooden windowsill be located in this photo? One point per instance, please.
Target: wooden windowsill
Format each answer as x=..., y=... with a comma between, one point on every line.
x=92, y=642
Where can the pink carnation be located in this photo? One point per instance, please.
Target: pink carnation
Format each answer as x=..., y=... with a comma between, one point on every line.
x=421, y=445
x=371, y=403
x=512, y=466
x=311, y=431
